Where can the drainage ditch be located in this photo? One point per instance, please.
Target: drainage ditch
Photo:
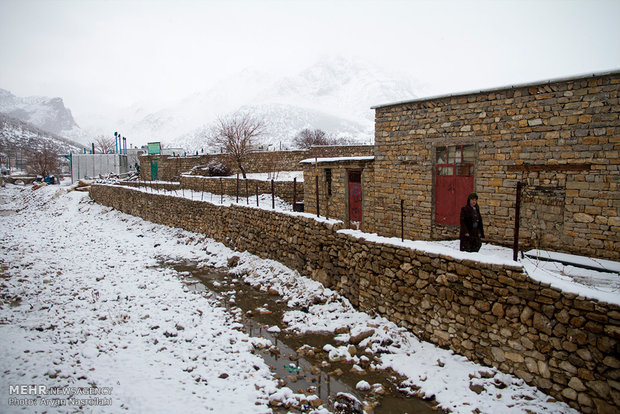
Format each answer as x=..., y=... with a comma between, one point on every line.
x=298, y=360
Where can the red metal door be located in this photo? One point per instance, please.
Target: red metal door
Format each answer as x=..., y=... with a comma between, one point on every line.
x=451, y=193
x=355, y=199
x=444, y=199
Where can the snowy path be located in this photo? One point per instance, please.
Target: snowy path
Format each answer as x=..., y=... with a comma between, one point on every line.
x=95, y=309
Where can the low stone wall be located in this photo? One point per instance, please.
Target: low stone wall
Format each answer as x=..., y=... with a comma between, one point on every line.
x=564, y=344
x=170, y=168
x=286, y=190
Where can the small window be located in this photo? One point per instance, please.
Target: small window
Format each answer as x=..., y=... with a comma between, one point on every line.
x=469, y=153
x=441, y=155
x=444, y=170
x=328, y=180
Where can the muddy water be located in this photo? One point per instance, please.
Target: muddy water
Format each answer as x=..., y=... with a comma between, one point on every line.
x=300, y=370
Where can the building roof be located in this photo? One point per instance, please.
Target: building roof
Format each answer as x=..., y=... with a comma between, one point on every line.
x=497, y=89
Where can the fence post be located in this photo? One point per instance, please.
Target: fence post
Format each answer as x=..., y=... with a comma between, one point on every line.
x=237, y=187
x=316, y=181
x=273, y=196
x=256, y=193
x=294, y=192
x=221, y=191
x=402, y=220
x=515, y=246
x=202, y=193
x=247, y=193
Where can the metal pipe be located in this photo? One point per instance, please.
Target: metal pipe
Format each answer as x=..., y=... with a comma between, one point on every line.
x=317, y=195
x=402, y=220
x=294, y=192
x=515, y=247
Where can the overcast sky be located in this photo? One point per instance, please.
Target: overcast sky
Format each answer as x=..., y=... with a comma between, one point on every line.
x=96, y=54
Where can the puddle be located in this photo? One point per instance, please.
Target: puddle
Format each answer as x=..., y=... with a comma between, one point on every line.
x=298, y=360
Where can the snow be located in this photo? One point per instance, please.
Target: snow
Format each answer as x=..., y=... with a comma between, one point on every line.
x=97, y=309
x=264, y=201
x=603, y=286
x=600, y=264
x=276, y=176
x=336, y=159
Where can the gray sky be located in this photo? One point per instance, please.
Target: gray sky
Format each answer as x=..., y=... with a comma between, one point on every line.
x=97, y=54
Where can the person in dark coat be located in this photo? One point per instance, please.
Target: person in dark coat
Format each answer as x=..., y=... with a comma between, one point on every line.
x=471, y=225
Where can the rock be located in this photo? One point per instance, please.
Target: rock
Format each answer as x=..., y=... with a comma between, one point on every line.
x=362, y=386
x=337, y=372
x=583, y=218
x=477, y=388
x=233, y=261
x=352, y=350
x=576, y=384
x=356, y=339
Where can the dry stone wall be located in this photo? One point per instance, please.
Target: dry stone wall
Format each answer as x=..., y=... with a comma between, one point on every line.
x=171, y=168
x=565, y=344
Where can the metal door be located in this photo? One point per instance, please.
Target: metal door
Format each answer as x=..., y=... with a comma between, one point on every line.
x=454, y=181
x=154, y=170
x=355, y=199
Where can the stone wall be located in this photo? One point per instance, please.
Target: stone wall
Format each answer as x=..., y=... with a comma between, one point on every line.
x=563, y=343
x=171, y=168
x=561, y=138
x=286, y=190
x=334, y=196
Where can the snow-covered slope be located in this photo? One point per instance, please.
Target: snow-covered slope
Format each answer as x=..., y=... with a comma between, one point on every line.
x=21, y=137
x=335, y=95
x=48, y=114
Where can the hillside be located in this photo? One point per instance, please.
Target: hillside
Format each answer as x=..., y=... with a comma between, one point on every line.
x=334, y=95
x=48, y=114
x=18, y=138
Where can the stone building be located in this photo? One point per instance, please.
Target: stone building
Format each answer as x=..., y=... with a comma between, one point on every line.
x=560, y=138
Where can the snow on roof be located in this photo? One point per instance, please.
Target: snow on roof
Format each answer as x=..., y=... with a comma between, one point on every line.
x=497, y=89
x=336, y=159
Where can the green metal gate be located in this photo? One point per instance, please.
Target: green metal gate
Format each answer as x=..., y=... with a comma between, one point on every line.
x=154, y=170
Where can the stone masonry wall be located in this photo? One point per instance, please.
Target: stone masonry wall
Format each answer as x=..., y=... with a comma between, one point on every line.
x=561, y=138
x=336, y=204
x=563, y=343
x=171, y=168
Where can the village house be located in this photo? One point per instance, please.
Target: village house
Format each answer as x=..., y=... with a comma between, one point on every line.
x=559, y=138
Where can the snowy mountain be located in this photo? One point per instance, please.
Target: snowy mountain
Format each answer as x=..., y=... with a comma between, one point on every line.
x=18, y=139
x=48, y=114
x=334, y=95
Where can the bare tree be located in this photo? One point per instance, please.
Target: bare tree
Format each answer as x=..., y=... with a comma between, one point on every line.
x=45, y=162
x=236, y=135
x=306, y=138
x=104, y=145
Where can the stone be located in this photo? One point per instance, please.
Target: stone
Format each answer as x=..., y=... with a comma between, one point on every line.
x=498, y=310
x=576, y=384
x=498, y=354
x=526, y=314
x=542, y=323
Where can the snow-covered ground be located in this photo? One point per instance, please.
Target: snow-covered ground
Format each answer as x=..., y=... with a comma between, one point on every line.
x=85, y=304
